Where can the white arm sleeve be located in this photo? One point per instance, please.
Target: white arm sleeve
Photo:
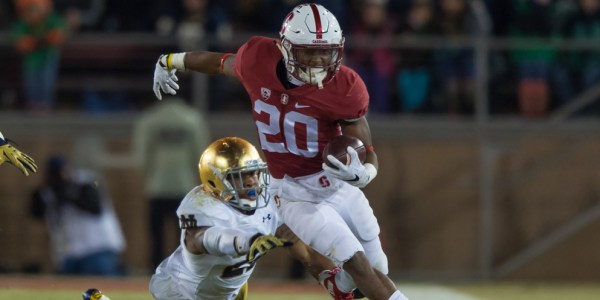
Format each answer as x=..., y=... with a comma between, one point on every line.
x=225, y=241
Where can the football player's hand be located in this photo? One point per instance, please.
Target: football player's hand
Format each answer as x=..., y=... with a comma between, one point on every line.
x=261, y=244
x=354, y=173
x=19, y=159
x=165, y=80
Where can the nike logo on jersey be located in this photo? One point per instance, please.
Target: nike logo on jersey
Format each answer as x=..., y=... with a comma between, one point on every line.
x=298, y=105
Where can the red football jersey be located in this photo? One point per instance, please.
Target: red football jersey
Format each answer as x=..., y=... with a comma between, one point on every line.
x=294, y=125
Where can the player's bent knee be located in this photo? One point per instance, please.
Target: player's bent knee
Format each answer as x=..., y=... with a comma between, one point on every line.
x=376, y=256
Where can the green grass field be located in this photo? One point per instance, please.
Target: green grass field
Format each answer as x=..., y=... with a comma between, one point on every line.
x=488, y=291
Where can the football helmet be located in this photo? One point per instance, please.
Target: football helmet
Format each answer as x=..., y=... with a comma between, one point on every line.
x=312, y=44
x=224, y=167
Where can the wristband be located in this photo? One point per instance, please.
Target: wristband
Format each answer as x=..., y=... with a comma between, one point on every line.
x=371, y=172
x=370, y=148
x=223, y=58
x=176, y=61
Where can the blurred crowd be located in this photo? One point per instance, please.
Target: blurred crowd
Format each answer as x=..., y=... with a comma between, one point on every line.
x=427, y=79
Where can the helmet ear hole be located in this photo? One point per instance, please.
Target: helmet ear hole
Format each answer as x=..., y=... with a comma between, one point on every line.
x=212, y=183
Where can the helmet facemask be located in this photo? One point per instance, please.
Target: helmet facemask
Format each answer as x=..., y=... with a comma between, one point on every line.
x=312, y=64
x=245, y=198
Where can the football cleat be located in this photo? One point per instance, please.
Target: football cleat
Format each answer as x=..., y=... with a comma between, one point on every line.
x=327, y=280
x=94, y=294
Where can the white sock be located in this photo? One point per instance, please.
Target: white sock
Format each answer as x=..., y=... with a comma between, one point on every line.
x=344, y=282
x=397, y=295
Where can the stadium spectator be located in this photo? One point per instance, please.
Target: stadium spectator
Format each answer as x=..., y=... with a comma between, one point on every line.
x=373, y=59
x=414, y=77
x=201, y=20
x=38, y=33
x=81, y=15
x=455, y=67
x=301, y=98
x=166, y=141
x=582, y=68
x=533, y=19
x=85, y=234
x=12, y=155
x=7, y=17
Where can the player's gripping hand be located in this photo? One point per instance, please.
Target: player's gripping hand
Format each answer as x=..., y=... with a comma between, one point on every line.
x=164, y=79
x=355, y=173
x=19, y=159
x=261, y=244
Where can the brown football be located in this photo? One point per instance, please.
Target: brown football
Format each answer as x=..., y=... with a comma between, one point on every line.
x=337, y=147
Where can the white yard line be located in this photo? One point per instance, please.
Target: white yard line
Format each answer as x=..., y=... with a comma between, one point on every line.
x=433, y=292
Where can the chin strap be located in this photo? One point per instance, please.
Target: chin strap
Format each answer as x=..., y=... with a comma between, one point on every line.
x=313, y=76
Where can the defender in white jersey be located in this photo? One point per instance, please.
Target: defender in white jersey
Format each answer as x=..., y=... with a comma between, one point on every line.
x=227, y=224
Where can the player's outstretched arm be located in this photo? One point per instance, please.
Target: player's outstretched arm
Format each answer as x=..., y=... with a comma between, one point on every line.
x=232, y=242
x=211, y=63
x=8, y=153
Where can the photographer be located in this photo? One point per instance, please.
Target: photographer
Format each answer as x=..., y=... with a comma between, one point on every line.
x=85, y=235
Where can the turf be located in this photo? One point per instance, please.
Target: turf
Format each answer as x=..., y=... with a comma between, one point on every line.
x=488, y=291
x=19, y=294
x=531, y=291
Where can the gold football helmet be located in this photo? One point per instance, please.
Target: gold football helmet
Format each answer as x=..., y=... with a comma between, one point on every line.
x=231, y=169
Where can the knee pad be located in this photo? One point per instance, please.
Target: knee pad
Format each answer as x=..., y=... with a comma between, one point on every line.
x=376, y=256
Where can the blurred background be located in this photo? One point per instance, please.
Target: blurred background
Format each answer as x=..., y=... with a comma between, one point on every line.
x=484, y=113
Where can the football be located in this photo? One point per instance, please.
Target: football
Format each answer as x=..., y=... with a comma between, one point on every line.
x=338, y=145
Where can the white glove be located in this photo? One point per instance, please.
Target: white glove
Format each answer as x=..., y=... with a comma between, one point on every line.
x=164, y=79
x=355, y=173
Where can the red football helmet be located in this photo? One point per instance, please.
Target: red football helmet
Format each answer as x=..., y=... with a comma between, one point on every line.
x=312, y=43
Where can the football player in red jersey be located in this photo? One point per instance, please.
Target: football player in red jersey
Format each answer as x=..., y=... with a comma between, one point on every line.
x=302, y=96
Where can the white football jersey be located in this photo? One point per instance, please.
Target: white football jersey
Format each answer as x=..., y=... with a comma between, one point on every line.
x=184, y=275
